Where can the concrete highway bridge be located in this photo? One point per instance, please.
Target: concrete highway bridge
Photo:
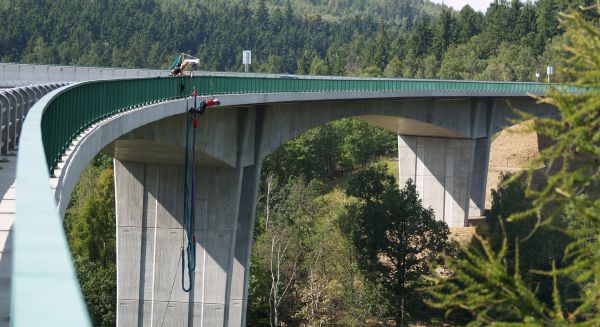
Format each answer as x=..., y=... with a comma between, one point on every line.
x=443, y=128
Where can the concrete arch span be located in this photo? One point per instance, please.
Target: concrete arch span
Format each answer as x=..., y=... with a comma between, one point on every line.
x=287, y=117
x=228, y=136
x=443, y=146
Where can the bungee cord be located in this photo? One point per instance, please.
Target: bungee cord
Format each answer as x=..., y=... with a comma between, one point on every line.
x=188, y=249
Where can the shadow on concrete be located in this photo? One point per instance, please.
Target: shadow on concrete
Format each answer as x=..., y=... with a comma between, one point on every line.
x=8, y=172
x=5, y=279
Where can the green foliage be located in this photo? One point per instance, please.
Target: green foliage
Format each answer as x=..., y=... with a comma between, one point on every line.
x=318, y=66
x=393, y=68
x=303, y=264
x=279, y=250
x=508, y=199
x=463, y=61
x=386, y=10
x=547, y=20
x=395, y=238
x=297, y=230
x=539, y=251
x=99, y=286
x=485, y=285
x=90, y=225
x=381, y=52
x=94, y=221
x=495, y=288
x=420, y=40
x=329, y=151
x=573, y=160
x=442, y=35
x=512, y=63
x=468, y=24
x=37, y=51
x=409, y=38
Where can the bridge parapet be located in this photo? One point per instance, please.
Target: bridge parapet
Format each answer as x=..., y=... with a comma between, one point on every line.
x=15, y=74
x=14, y=105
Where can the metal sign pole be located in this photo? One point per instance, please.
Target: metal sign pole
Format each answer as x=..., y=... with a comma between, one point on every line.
x=549, y=71
x=246, y=59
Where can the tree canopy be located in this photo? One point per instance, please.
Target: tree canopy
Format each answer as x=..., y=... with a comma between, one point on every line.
x=397, y=240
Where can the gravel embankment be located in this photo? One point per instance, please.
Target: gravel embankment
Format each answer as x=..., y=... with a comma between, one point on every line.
x=510, y=151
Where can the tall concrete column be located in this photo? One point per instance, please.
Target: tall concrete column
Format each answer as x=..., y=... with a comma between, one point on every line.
x=150, y=237
x=479, y=177
x=444, y=171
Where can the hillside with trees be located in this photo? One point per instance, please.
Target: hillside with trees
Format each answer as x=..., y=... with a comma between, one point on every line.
x=411, y=39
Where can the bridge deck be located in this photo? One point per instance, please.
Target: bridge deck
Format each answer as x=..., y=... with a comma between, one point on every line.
x=7, y=217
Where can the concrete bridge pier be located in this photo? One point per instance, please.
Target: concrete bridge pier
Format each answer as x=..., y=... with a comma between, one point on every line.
x=479, y=177
x=449, y=174
x=149, y=192
x=150, y=235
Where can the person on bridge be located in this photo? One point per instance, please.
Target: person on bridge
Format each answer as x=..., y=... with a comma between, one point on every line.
x=178, y=71
x=179, y=68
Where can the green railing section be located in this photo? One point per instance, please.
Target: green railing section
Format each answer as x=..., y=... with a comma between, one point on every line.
x=226, y=84
x=76, y=109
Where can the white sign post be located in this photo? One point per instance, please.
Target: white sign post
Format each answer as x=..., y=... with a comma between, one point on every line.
x=549, y=71
x=246, y=59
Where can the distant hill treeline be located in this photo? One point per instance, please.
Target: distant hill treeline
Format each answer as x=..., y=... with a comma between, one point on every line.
x=389, y=10
x=412, y=38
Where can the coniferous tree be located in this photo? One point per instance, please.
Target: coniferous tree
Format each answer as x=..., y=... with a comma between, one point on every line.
x=490, y=283
x=381, y=48
x=442, y=35
x=498, y=25
x=468, y=24
x=395, y=238
x=525, y=27
x=547, y=21
x=420, y=39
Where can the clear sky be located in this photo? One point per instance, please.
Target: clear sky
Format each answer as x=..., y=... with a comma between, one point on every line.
x=479, y=5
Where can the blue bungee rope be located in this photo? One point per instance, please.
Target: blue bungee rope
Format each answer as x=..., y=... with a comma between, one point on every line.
x=189, y=196
x=189, y=208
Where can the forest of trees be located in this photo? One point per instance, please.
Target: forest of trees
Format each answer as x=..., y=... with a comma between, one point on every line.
x=511, y=41
x=311, y=197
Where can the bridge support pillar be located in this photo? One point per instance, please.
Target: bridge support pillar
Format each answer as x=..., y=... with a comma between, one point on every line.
x=479, y=177
x=149, y=199
x=450, y=174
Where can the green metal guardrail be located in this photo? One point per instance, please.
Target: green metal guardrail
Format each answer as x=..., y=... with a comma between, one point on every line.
x=226, y=84
x=76, y=109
